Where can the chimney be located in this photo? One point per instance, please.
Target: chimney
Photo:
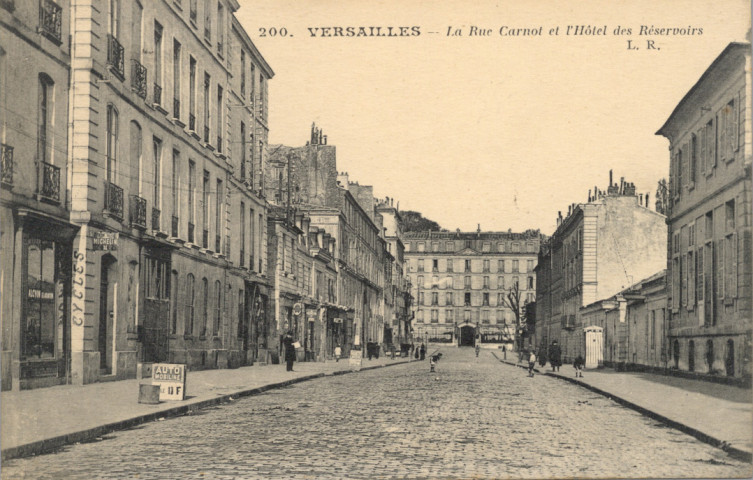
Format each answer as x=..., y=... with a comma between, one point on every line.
x=610, y=177
x=343, y=179
x=589, y=195
x=647, y=200
x=325, y=140
x=640, y=199
x=478, y=228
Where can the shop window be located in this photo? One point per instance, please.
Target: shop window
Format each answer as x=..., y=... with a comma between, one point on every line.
x=38, y=321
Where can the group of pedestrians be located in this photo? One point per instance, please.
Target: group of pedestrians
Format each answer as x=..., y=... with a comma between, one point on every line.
x=554, y=356
x=419, y=353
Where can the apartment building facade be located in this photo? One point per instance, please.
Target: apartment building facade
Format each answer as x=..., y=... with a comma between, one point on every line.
x=460, y=281
x=36, y=239
x=598, y=249
x=709, y=244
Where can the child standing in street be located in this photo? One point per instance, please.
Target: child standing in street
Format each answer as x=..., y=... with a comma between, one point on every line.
x=338, y=352
x=578, y=365
x=531, y=363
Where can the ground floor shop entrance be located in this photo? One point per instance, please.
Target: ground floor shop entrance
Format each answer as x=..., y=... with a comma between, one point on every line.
x=467, y=336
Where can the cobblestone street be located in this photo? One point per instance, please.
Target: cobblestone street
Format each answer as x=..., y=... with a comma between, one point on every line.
x=473, y=418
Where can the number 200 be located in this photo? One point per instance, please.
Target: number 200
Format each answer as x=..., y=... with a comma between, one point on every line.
x=273, y=32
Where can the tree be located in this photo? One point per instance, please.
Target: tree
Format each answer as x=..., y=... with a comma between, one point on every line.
x=512, y=301
x=662, y=197
x=415, y=222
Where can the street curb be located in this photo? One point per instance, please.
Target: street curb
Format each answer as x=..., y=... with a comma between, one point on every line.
x=737, y=453
x=51, y=444
x=734, y=452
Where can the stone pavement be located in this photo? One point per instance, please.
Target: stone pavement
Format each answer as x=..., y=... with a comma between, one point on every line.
x=40, y=420
x=720, y=415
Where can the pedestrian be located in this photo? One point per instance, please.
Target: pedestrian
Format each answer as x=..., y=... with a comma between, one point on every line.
x=338, y=352
x=555, y=356
x=542, y=356
x=412, y=347
x=504, y=352
x=287, y=341
x=531, y=363
x=415, y=353
x=423, y=352
x=478, y=349
x=578, y=364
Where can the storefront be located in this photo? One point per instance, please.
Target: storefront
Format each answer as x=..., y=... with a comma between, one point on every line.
x=42, y=286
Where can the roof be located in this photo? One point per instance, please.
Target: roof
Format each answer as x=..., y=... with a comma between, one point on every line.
x=732, y=48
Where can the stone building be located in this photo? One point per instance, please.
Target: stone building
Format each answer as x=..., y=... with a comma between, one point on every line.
x=153, y=170
x=600, y=248
x=459, y=281
x=305, y=179
x=709, y=245
x=633, y=326
x=36, y=238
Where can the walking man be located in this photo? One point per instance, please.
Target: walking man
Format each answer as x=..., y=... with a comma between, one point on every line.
x=531, y=363
x=287, y=341
x=555, y=356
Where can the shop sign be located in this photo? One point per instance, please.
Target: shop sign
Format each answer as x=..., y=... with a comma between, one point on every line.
x=297, y=309
x=338, y=320
x=105, y=241
x=171, y=378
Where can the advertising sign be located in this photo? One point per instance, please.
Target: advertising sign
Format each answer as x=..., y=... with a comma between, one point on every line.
x=105, y=241
x=171, y=378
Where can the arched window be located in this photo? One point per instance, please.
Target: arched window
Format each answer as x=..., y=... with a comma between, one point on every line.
x=217, y=307
x=205, y=311
x=189, y=299
x=46, y=103
x=135, y=147
x=112, y=144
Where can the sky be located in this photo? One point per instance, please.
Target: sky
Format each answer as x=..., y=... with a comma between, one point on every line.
x=498, y=130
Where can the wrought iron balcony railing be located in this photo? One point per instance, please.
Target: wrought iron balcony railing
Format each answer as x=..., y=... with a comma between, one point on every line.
x=156, y=213
x=217, y=243
x=116, y=56
x=137, y=212
x=7, y=164
x=138, y=78
x=190, y=232
x=50, y=187
x=50, y=20
x=205, y=238
x=243, y=257
x=192, y=122
x=114, y=200
x=157, y=94
x=174, y=227
x=176, y=108
x=206, y=134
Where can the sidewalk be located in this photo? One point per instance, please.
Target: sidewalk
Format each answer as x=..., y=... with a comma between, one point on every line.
x=40, y=420
x=720, y=415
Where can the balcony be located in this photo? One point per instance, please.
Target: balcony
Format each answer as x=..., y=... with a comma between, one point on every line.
x=137, y=212
x=157, y=95
x=116, y=57
x=176, y=108
x=114, y=200
x=50, y=20
x=568, y=322
x=174, y=227
x=243, y=257
x=7, y=164
x=156, y=213
x=206, y=134
x=192, y=122
x=190, y=232
x=50, y=188
x=205, y=238
x=138, y=78
x=217, y=243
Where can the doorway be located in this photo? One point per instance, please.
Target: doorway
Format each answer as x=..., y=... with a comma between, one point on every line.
x=106, y=313
x=467, y=336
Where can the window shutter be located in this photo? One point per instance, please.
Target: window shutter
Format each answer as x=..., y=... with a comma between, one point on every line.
x=720, y=261
x=732, y=130
x=702, y=150
x=691, y=280
x=713, y=135
x=734, y=262
x=740, y=120
x=722, y=131
x=676, y=283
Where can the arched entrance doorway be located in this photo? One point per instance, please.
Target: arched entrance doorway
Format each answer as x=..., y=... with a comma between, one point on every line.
x=467, y=336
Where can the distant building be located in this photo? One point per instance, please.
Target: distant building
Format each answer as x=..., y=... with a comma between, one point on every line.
x=460, y=279
x=709, y=248
x=600, y=248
